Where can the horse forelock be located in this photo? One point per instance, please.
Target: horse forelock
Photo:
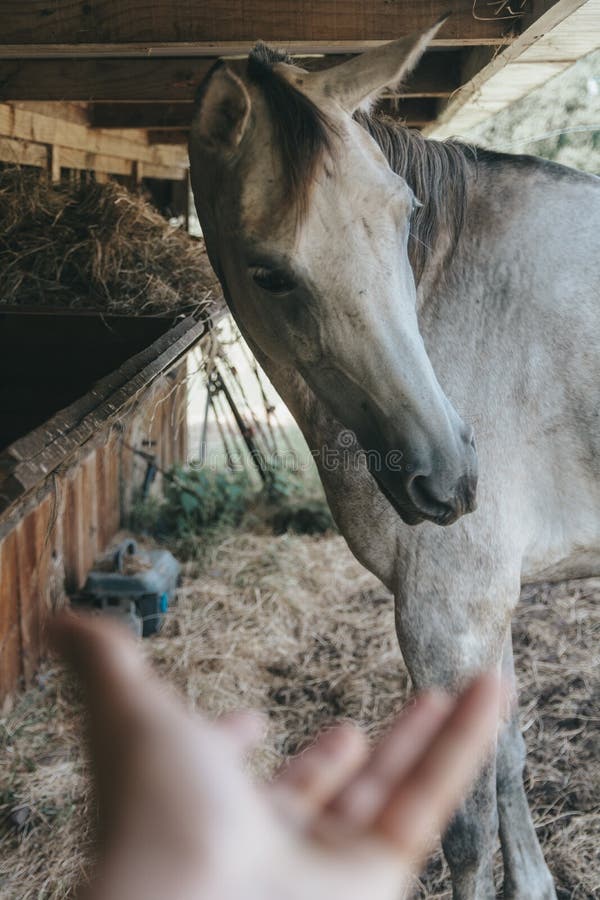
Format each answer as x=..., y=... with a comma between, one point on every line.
x=302, y=132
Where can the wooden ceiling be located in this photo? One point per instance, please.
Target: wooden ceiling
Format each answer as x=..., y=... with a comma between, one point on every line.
x=136, y=63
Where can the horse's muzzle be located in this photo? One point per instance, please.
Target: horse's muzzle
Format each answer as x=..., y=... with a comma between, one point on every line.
x=425, y=497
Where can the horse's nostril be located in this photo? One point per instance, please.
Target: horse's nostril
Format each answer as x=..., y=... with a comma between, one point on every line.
x=420, y=492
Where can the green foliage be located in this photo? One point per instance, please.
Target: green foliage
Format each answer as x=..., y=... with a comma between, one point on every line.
x=200, y=503
x=145, y=514
x=197, y=505
x=197, y=499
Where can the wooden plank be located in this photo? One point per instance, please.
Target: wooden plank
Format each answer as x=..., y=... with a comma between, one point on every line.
x=171, y=79
x=116, y=507
x=94, y=162
x=536, y=55
x=74, y=538
x=10, y=632
x=22, y=153
x=111, y=21
x=166, y=173
x=29, y=559
x=16, y=122
x=90, y=509
x=69, y=112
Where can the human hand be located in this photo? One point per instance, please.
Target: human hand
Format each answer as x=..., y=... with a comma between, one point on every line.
x=180, y=820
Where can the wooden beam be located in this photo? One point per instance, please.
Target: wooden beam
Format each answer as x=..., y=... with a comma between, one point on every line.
x=160, y=21
x=99, y=79
x=566, y=31
x=29, y=126
x=220, y=49
x=437, y=75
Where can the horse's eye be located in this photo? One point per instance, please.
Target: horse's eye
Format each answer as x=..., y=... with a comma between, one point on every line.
x=275, y=281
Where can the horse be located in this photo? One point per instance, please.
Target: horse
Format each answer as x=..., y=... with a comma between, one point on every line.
x=404, y=295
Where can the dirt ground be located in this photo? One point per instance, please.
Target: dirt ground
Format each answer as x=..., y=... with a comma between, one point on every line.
x=294, y=626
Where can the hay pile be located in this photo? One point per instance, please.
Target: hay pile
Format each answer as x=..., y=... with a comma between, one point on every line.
x=95, y=246
x=293, y=625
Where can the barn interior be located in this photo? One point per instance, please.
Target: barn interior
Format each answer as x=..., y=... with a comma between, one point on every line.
x=96, y=387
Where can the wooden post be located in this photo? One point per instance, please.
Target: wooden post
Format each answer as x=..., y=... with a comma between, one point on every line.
x=136, y=175
x=54, y=163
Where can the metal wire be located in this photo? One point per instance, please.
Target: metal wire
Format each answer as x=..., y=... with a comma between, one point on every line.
x=502, y=5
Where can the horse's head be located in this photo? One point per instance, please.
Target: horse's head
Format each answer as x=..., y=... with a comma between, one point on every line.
x=307, y=225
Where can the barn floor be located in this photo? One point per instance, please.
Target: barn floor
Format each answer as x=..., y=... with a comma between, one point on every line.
x=293, y=625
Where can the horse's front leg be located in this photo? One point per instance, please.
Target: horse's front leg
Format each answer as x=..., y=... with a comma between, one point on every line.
x=526, y=875
x=452, y=615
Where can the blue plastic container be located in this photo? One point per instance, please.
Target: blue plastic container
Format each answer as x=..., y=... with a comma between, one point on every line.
x=141, y=584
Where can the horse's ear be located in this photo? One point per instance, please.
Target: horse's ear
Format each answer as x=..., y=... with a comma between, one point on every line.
x=221, y=112
x=355, y=84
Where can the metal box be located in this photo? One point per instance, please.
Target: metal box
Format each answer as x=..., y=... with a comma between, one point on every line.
x=136, y=583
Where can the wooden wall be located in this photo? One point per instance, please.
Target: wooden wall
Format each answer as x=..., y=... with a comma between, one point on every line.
x=58, y=137
x=47, y=549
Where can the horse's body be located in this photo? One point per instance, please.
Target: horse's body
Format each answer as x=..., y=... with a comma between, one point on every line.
x=508, y=310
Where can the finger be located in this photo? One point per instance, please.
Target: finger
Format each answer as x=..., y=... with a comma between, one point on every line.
x=426, y=797
x=364, y=797
x=317, y=775
x=246, y=728
x=126, y=705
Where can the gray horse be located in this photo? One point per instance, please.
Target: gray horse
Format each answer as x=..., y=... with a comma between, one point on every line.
x=402, y=294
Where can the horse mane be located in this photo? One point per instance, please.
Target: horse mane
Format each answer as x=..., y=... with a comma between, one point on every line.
x=437, y=172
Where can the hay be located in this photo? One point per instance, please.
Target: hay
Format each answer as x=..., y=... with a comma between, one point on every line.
x=95, y=246
x=293, y=625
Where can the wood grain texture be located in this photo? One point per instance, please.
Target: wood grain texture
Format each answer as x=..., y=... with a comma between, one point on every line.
x=112, y=21
x=120, y=80
x=19, y=123
x=49, y=542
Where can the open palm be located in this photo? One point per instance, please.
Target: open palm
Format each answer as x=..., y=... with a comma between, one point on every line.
x=180, y=820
